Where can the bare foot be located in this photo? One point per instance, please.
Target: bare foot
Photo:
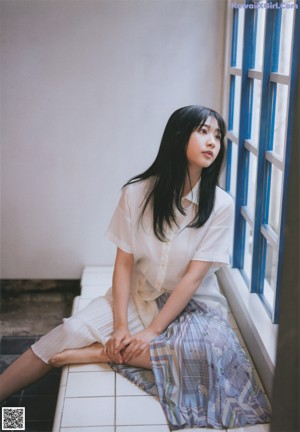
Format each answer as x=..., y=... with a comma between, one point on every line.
x=92, y=354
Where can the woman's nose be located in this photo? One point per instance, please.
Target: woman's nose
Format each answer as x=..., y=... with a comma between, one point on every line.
x=211, y=140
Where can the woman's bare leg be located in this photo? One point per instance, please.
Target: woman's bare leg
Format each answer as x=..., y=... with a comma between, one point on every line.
x=95, y=353
x=21, y=373
x=143, y=360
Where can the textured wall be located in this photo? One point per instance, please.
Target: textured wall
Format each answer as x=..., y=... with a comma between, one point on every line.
x=87, y=87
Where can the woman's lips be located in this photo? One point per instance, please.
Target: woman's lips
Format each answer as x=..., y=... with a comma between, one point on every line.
x=208, y=154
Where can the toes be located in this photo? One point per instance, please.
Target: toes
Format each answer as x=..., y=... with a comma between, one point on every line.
x=56, y=361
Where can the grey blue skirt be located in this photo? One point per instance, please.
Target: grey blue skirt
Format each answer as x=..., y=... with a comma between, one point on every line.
x=200, y=373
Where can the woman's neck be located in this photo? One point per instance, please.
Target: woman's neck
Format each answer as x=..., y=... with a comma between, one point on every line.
x=190, y=182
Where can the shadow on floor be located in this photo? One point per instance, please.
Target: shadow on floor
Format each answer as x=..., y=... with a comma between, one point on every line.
x=39, y=399
x=23, y=316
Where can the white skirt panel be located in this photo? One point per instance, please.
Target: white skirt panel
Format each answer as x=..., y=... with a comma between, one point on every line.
x=92, y=324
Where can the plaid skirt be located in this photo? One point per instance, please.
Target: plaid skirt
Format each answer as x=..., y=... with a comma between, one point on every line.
x=200, y=373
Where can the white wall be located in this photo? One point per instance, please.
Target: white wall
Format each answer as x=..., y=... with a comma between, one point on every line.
x=87, y=87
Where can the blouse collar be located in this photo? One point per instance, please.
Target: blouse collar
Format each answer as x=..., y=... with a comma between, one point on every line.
x=193, y=195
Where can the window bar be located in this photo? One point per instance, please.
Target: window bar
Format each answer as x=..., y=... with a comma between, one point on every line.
x=295, y=70
x=272, y=32
x=234, y=35
x=235, y=71
x=274, y=159
x=235, y=20
x=272, y=110
x=244, y=133
x=276, y=40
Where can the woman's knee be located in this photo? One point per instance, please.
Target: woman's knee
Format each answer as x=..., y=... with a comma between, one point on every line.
x=71, y=328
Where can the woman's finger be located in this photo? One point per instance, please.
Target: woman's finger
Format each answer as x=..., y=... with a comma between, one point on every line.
x=134, y=351
x=128, y=350
x=127, y=340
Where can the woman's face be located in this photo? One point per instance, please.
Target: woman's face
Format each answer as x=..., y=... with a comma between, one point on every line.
x=203, y=146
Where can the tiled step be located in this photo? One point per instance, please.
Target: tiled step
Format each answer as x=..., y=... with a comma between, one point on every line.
x=93, y=398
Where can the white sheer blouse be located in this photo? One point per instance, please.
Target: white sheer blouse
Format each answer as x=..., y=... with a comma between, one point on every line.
x=159, y=266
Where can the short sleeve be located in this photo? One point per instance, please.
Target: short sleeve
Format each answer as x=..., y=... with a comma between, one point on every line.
x=215, y=246
x=119, y=229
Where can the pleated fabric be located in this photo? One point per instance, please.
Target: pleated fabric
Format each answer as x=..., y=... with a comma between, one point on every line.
x=92, y=324
x=202, y=376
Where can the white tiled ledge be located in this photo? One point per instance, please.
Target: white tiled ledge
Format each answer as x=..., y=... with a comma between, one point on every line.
x=93, y=398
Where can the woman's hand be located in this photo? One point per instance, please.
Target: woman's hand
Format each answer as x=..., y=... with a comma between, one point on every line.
x=116, y=343
x=137, y=344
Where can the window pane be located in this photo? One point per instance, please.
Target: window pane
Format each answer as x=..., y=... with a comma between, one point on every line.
x=256, y=104
x=233, y=169
x=240, y=36
x=287, y=18
x=260, y=32
x=248, y=251
x=275, y=199
x=270, y=274
x=252, y=184
x=237, y=104
x=280, y=119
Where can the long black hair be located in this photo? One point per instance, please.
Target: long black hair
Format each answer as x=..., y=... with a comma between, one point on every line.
x=170, y=170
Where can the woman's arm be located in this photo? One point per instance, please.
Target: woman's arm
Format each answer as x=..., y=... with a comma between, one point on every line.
x=177, y=301
x=120, y=290
x=181, y=295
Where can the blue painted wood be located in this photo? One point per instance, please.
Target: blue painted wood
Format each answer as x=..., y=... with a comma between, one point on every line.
x=244, y=133
x=266, y=136
x=228, y=165
x=273, y=99
x=263, y=170
x=295, y=72
x=250, y=107
x=267, y=180
x=276, y=39
x=231, y=102
x=234, y=38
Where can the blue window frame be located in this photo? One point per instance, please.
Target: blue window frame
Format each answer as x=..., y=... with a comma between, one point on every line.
x=262, y=81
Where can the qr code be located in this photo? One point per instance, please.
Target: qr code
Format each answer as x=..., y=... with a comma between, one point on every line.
x=13, y=419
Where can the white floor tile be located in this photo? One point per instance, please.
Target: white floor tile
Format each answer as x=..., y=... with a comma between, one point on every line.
x=89, y=429
x=161, y=428
x=86, y=412
x=75, y=305
x=139, y=410
x=91, y=367
x=96, y=278
x=92, y=291
x=85, y=384
x=254, y=428
x=97, y=269
x=126, y=388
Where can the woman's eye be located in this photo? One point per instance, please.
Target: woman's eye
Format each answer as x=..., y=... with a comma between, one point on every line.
x=204, y=131
x=218, y=137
